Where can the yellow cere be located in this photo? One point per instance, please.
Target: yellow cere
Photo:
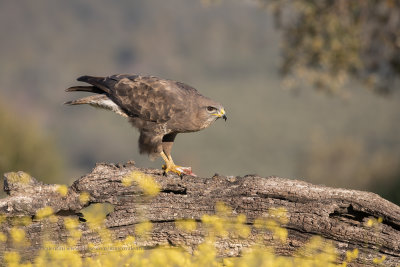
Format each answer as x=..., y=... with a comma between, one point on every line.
x=220, y=114
x=146, y=182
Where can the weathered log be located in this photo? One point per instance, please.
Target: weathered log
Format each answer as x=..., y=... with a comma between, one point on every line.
x=338, y=215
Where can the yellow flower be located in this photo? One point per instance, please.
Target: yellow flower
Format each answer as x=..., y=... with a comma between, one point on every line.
x=241, y=218
x=96, y=213
x=206, y=254
x=374, y=222
x=12, y=258
x=146, y=182
x=129, y=240
x=243, y=230
x=71, y=223
x=143, y=228
x=217, y=224
x=186, y=225
x=3, y=237
x=281, y=234
x=127, y=180
x=19, y=177
x=21, y=220
x=2, y=218
x=62, y=190
x=351, y=255
x=239, y=226
x=17, y=235
x=53, y=218
x=228, y=262
x=84, y=198
x=259, y=223
x=379, y=260
x=279, y=214
x=44, y=212
x=222, y=209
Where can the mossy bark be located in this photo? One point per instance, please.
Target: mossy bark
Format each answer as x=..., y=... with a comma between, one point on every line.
x=338, y=215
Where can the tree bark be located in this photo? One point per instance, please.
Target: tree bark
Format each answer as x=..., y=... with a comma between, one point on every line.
x=338, y=215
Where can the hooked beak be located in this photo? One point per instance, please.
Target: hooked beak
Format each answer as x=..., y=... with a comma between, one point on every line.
x=221, y=114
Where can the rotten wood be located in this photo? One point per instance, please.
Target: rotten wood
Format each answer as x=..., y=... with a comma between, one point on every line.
x=338, y=215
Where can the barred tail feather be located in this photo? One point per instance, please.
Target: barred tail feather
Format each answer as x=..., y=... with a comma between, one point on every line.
x=98, y=82
x=90, y=89
x=98, y=101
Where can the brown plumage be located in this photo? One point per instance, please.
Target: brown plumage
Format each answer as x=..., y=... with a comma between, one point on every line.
x=158, y=108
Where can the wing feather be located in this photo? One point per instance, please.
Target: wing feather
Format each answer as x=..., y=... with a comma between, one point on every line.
x=149, y=98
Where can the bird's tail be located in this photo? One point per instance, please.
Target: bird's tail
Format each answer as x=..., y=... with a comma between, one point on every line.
x=98, y=85
x=91, y=89
x=98, y=101
x=80, y=101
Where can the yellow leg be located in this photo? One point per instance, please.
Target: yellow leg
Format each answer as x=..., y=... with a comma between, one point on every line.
x=171, y=167
x=170, y=159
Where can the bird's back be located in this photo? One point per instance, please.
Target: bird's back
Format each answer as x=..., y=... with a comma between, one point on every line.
x=146, y=97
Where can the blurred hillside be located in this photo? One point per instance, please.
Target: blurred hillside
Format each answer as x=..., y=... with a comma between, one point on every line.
x=230, y=52
x=25, y=147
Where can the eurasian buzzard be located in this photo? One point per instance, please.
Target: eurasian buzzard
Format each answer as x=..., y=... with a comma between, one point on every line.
x=159, y=108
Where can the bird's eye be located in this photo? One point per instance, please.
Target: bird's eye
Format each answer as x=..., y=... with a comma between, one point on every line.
x=210, y=109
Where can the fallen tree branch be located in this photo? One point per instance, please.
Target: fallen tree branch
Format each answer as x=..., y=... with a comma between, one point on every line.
x=339, y=215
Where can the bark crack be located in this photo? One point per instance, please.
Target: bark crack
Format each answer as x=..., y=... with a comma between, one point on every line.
x=339, y=215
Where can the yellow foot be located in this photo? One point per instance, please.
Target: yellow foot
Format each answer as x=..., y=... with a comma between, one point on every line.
x=178, y=170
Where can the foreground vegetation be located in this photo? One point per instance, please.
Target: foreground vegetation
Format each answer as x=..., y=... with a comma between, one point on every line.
x=107, y=250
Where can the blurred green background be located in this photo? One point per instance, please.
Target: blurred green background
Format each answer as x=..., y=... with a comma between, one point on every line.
x=310, y=87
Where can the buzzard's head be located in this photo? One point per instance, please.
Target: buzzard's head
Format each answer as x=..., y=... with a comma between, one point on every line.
x=216, y=112
x=209, y=111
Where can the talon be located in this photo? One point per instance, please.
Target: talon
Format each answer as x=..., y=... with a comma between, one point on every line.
x=179, y=170
x=170, y=166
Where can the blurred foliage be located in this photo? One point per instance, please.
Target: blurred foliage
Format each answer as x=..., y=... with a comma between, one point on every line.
x=327, y=42
x=125, y=251
x=229, y=51
x=25, y=147
x=348, y=162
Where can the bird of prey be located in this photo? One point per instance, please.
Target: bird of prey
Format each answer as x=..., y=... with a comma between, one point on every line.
x=158, y=108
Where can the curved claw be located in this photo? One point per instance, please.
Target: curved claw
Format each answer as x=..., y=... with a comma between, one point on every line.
x=178, y=170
